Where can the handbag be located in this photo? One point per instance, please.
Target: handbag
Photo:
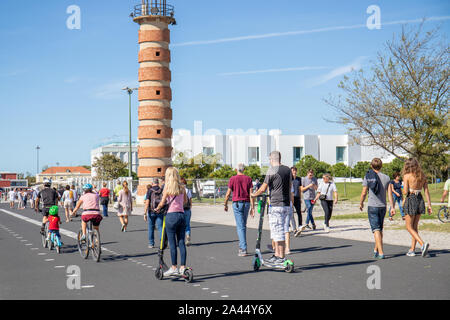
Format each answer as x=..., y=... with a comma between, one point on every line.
x=116, y=205
x=324, y=196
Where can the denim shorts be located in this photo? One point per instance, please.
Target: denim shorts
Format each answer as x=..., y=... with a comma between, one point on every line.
x=376, y=217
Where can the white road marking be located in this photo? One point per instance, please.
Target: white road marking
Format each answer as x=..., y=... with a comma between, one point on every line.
x=34, y=248
x=49, y=259
x=59, y=267
x=28, y=244
x=87, y=286
x=225, y=296
x=214, y=292
x=41, y=254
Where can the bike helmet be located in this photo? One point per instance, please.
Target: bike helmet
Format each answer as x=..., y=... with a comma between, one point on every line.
x=87, y=186
x=47, y=182
x=53, y=211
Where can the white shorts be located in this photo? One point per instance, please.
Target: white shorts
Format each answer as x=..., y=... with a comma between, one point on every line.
x=68, y=205
x=279, y=222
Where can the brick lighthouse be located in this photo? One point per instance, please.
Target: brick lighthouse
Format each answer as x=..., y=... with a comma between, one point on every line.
x=155, y=95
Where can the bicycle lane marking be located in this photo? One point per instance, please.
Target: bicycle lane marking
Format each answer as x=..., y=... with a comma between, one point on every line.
x=74, y=236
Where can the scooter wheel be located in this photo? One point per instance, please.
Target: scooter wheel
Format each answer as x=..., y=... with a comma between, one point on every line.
x=188, y=275
x=256, y=264
x=159, y=274
x=289, y=268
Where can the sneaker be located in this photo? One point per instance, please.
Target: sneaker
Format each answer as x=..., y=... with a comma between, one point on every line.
x=42, y=231
x=380, y=256
x=272, y=259
x=327, y=229
x=242, y=253
x=182, y=271
x=314, y=227
x=151, y=246
x=307, y=227
x=375, y=254
x=123, y=228
x=411, y=254
x=188, y=240
x=279, y=260
x=83, y=238
x=171, y=272
x=425, y=247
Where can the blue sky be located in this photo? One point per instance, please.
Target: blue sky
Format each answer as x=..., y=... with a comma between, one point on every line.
x=60, y=88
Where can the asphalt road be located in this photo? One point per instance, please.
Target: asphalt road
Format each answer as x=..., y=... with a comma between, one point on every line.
x=325, y=268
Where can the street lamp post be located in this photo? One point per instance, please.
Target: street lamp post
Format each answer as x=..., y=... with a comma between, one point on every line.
x=37, y=166
x=130, y=92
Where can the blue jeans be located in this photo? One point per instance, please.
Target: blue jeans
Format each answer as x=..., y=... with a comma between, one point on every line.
x=309, y=209
x=376, y=218
x=154, y=219
x=399, y=201
x=240, y=209
x=187, y=218
x=176, y=231
x=105, y=210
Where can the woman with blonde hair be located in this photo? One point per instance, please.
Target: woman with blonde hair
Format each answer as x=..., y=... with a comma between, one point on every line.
x=125, y=205
x=413, y=204
x=174, y=195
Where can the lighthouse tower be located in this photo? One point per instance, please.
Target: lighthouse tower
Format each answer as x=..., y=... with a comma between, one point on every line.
x=155, y=95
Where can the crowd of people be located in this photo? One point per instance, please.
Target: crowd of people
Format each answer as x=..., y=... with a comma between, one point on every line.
x=169, y=197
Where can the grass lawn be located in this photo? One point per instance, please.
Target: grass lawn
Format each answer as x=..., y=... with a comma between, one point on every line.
x=352, y=191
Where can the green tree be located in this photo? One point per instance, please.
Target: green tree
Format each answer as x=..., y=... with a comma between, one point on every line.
x=402, y=105
x=224, y=172
x=395, y=165
x=309, y=162
x=254, y=172
x=340, y=170
x=109, y=167
x=360, y=168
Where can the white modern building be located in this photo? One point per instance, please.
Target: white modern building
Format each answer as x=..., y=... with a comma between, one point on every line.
x=118, y=149
x=255, y=149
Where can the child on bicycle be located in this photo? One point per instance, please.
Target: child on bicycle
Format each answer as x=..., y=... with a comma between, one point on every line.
x=53, y=224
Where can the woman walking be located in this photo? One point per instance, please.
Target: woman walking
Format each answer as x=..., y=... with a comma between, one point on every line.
x=67, y=199
x=395, y=187
x=413, y=181
x=325, y=192
x=125, y=205
x=174, y=195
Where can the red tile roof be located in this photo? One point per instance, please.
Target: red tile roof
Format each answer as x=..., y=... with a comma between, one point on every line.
x=55, y=170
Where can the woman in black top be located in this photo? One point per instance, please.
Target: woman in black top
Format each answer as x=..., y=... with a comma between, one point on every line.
x=395, y=186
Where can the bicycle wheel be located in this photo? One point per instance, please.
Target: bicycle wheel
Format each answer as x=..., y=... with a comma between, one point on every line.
x=83, y=247
x=44, y=236
x=443, y=215
x=95, y=245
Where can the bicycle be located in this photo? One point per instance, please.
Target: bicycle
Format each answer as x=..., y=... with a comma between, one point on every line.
x=54, y=241
x=91, y=242
x=443, y=214
x=44, y=236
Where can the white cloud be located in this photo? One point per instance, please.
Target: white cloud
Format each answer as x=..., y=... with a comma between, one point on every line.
x=113, y=89
x=299, y=32
x=272, y=70
x=337, y=72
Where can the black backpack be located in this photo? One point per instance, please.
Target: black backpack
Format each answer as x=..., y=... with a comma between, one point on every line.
x=155, y=199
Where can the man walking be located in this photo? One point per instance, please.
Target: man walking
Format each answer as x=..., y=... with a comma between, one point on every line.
x=308, y=187
x=279, y=181
x=296, y=184
x=152, y=200
x=376, y=183
x=241, y=186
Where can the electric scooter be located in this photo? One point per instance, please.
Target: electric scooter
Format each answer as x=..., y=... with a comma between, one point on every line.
x=258, y=260
x=188, y=274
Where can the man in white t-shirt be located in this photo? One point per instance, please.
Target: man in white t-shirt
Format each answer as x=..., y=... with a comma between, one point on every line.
x=446, y=191
x=12, y=197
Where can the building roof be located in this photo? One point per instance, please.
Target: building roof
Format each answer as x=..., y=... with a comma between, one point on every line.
x=56, y=170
